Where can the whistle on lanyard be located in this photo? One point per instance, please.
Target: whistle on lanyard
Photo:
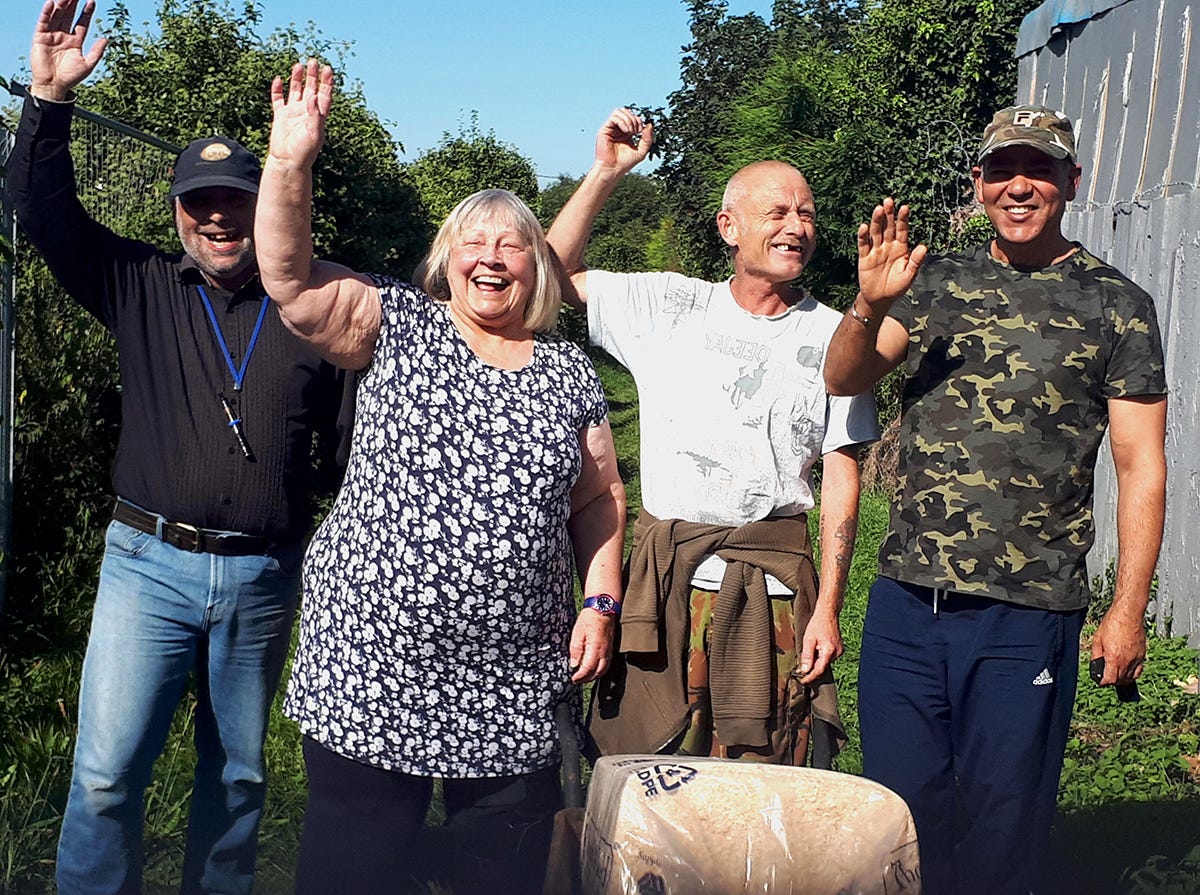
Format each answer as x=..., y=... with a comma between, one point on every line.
x=235, y=424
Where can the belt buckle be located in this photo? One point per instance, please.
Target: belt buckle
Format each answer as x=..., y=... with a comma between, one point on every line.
x=189, y=533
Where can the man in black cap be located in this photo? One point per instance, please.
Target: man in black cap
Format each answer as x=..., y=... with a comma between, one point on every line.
x=200, y=575
x=1017, y=357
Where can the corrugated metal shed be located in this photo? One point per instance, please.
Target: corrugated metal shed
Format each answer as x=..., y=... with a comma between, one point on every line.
x=1127, y=75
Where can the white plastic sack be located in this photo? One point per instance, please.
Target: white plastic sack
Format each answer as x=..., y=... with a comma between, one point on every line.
x=674, y=825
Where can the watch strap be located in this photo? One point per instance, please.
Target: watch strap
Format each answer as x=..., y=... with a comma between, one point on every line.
x=605, y=604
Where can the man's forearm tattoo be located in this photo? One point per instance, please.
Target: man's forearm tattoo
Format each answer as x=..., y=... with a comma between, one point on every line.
x=844, y=536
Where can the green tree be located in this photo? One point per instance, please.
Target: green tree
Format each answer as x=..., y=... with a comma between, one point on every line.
x=793, y=112
x=629, y=234
x=625, y=226
x=753, y=91
x=930, y=74
x=209, y=71
x=725, y=54
x=886, y=98
x=809, y=23
x=555, y=196
x=868, y=100
x=465, y=163
x=663, y=249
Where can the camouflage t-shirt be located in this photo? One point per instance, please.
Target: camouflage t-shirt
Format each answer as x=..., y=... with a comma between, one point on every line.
x=1006, y=384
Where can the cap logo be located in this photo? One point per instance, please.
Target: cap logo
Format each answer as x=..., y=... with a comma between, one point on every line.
x=215, y=152
x=1025, y=118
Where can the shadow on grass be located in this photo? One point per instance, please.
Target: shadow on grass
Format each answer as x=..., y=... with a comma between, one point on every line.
x=1112, y=849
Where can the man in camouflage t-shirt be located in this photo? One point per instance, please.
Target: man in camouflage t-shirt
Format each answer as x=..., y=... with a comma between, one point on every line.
x=1017, y=357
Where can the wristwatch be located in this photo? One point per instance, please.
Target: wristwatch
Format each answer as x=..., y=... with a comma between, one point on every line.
x=604, y=604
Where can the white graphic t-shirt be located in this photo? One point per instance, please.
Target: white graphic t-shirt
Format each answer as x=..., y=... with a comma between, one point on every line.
x=733, y=406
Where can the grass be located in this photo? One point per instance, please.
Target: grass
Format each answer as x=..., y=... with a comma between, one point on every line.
x=1130, y=791
x=1130, y=803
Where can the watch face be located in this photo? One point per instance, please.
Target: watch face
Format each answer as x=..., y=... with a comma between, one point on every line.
x=602, y=603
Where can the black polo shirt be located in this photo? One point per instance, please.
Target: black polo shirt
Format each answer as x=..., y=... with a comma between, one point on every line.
x=177, y=455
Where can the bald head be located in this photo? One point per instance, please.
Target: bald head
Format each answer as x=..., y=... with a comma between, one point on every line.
x=753, y=175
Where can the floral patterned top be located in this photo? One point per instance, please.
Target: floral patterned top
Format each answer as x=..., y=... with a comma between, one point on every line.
x=437, y=593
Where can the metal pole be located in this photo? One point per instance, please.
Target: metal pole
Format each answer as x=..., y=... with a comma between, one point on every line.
x=19, y=90
x=8, y=298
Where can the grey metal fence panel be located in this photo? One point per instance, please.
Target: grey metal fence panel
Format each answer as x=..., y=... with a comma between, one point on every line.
x=118, y=169
x=1130, y=78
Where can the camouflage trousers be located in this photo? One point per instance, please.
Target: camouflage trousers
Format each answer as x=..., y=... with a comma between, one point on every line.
x=789, y=726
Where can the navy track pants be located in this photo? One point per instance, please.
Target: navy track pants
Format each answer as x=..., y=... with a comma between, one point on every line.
x=964, y=707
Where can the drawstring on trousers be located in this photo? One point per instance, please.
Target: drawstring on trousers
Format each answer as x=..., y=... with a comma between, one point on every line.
x=938, y=593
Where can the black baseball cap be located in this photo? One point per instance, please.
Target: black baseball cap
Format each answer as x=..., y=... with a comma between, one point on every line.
x=215, y=161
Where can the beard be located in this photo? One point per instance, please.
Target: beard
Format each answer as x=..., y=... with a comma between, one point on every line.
x=220, y=268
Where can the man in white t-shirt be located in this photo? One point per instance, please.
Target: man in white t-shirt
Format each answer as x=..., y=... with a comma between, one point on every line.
x=726, y=634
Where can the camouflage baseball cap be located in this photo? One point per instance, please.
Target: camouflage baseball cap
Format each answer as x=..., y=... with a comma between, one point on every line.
x=1035, y=126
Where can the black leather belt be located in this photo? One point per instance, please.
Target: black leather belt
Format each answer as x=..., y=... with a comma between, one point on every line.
x=189, y=537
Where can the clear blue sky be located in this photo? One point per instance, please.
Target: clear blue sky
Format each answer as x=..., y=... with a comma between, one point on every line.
x=542, y=74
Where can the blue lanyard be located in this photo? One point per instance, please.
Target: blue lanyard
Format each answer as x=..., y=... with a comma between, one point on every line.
x=238, y=375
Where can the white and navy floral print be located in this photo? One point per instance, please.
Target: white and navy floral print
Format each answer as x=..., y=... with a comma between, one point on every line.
x=437, y=594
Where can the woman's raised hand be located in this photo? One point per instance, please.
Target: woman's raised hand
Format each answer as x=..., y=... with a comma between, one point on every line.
x=298, y=129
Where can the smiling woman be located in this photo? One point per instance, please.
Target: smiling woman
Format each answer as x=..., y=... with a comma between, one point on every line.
x=439, y=630
x=490, y=262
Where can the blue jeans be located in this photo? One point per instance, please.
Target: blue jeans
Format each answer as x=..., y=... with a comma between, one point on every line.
x=964, y=713
x=162, y=613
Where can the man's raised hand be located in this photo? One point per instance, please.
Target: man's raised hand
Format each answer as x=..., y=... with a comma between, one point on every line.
x=623, y=141
x=56, y=58
x=298, y=128
x=886, y=267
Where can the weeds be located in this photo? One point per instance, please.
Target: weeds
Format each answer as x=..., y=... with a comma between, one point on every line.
x=1129, y=795
x=1160, y=876
x=30, y=814
x=1129, y=799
